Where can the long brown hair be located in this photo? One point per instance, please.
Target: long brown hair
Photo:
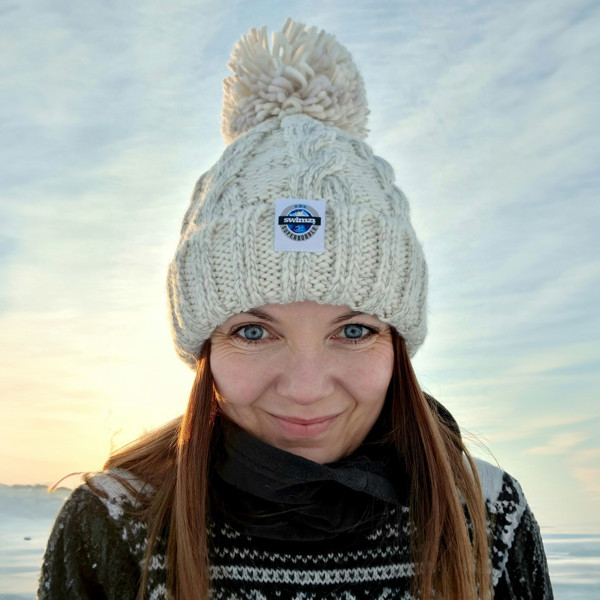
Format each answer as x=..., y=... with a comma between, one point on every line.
x=452, y=561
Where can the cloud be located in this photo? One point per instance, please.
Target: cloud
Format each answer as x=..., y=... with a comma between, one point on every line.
x=579, y=451
x=104, y=114
x=501, y=426
x=590, y=478
x=559, y=443
x=584, y=466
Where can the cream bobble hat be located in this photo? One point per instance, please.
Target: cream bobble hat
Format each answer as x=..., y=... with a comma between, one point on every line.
x=298, y=207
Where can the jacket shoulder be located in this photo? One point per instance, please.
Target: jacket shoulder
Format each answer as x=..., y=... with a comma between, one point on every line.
x=496, y=484
x=119, y=490
x=97, y=542
x=519, y=566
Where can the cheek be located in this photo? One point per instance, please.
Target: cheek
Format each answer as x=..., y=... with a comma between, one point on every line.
x=370, y=377
x=237, y=380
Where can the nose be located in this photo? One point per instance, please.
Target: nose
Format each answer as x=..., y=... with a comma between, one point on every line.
x=305, y=378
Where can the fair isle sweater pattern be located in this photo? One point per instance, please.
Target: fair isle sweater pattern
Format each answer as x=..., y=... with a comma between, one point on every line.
x=97, y=548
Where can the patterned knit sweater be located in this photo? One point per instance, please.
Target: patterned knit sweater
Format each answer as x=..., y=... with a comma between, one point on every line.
x=97, y=547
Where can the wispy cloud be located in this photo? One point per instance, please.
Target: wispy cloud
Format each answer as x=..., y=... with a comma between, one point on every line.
x=559, y=443
x=585, y=467
x=590, y=478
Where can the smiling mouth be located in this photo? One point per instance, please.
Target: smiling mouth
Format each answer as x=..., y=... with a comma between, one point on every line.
x=304, y=427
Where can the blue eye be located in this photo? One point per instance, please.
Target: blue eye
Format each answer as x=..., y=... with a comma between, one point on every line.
x=252, y=332
x=354, y=331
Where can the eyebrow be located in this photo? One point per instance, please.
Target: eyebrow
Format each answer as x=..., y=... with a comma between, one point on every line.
x=259, y=314
x=346, y=316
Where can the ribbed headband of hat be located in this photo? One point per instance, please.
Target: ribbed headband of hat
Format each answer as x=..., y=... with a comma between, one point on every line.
x=298, y=207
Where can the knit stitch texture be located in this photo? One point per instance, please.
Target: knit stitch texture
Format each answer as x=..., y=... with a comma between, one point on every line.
x=226, y=263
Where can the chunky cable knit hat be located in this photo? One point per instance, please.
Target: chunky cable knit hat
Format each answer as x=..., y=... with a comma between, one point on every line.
x=297, y=207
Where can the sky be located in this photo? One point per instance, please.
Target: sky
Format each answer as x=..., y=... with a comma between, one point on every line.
x=110, y=112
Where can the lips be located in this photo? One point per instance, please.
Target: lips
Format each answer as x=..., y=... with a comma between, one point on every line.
x=304, y=427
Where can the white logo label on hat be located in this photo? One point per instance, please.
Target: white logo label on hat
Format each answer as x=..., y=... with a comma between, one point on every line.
x=299, y=225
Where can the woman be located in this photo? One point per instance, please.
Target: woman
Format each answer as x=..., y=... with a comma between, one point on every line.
x=309, y=463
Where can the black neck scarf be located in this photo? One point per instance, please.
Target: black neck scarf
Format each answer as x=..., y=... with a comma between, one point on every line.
x=274, y=494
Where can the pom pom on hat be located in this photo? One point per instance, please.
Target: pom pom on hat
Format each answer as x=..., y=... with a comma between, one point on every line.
x=305, y=72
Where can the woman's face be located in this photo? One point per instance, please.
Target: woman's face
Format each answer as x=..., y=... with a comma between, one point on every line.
x=308, y=378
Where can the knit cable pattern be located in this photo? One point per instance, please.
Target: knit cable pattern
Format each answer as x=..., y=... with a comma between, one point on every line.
x=226, y=262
